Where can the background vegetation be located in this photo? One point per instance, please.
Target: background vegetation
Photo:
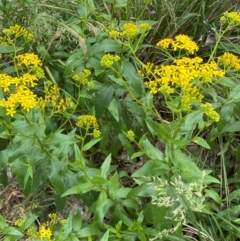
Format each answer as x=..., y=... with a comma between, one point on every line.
x=92, y=146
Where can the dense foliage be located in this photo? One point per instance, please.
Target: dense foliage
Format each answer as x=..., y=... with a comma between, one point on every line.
x=119, y=120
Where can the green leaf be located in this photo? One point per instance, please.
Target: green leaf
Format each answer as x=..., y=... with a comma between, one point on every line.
x=232, y=127
x=213, y=195
x=77, y=221
x=99, y=180
x=86, y=232
x=132, y=78
x=191, y=122
x=151, y=151
x=102, y=206
x=91, y=7
x=103, y=98
x=107, y=45
x=201, y=142
x=137, y=154
x=79, y=189
x=105, y=236
x=123, y=215
x=151, y=168
x=225, y=81
x=233, y=195
x=120, y=193
x=160, y=130
x=56, y=175
x=105, y=167
x=188, y=169
x=90, y=144
x=8, y=49
x=113, y=109
x=11, y=231
x=234, y=95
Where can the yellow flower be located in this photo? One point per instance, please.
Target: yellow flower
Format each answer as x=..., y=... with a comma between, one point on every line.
x=148, y=68
x=130, y=135
x=152, y=85
x=130, y=30
x=87, y=121
x=232, y=18
x=114, y=33
x=17, y=31
x=145, y=27
x=165, y=43
x=178, y=43
x=108, y=60
x=184, y=42
x=28, y=59
x=210, y=112
x=45, y=232
x=96, y=133
x=19, y=222
x=229, y=61
x=82, y=78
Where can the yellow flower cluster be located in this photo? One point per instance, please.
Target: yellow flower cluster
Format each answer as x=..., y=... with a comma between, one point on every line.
x=229, y=61
x=130, y=135
x=20, y=94
x=53, y=99
x=28, y=59
x=18, y=31
x=45, y=231
x=108, y=60
x=82, y=78
x=178, y=43
x=31, y=62
x=14, y=32
x=185, y=75
x=130, y=30
x=19, y=87
x=210, y=112
x=87, y=122
x=232, y=18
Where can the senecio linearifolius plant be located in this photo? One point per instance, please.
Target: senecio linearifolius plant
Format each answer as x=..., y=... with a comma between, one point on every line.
x=168, y=179
x=183, y=80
